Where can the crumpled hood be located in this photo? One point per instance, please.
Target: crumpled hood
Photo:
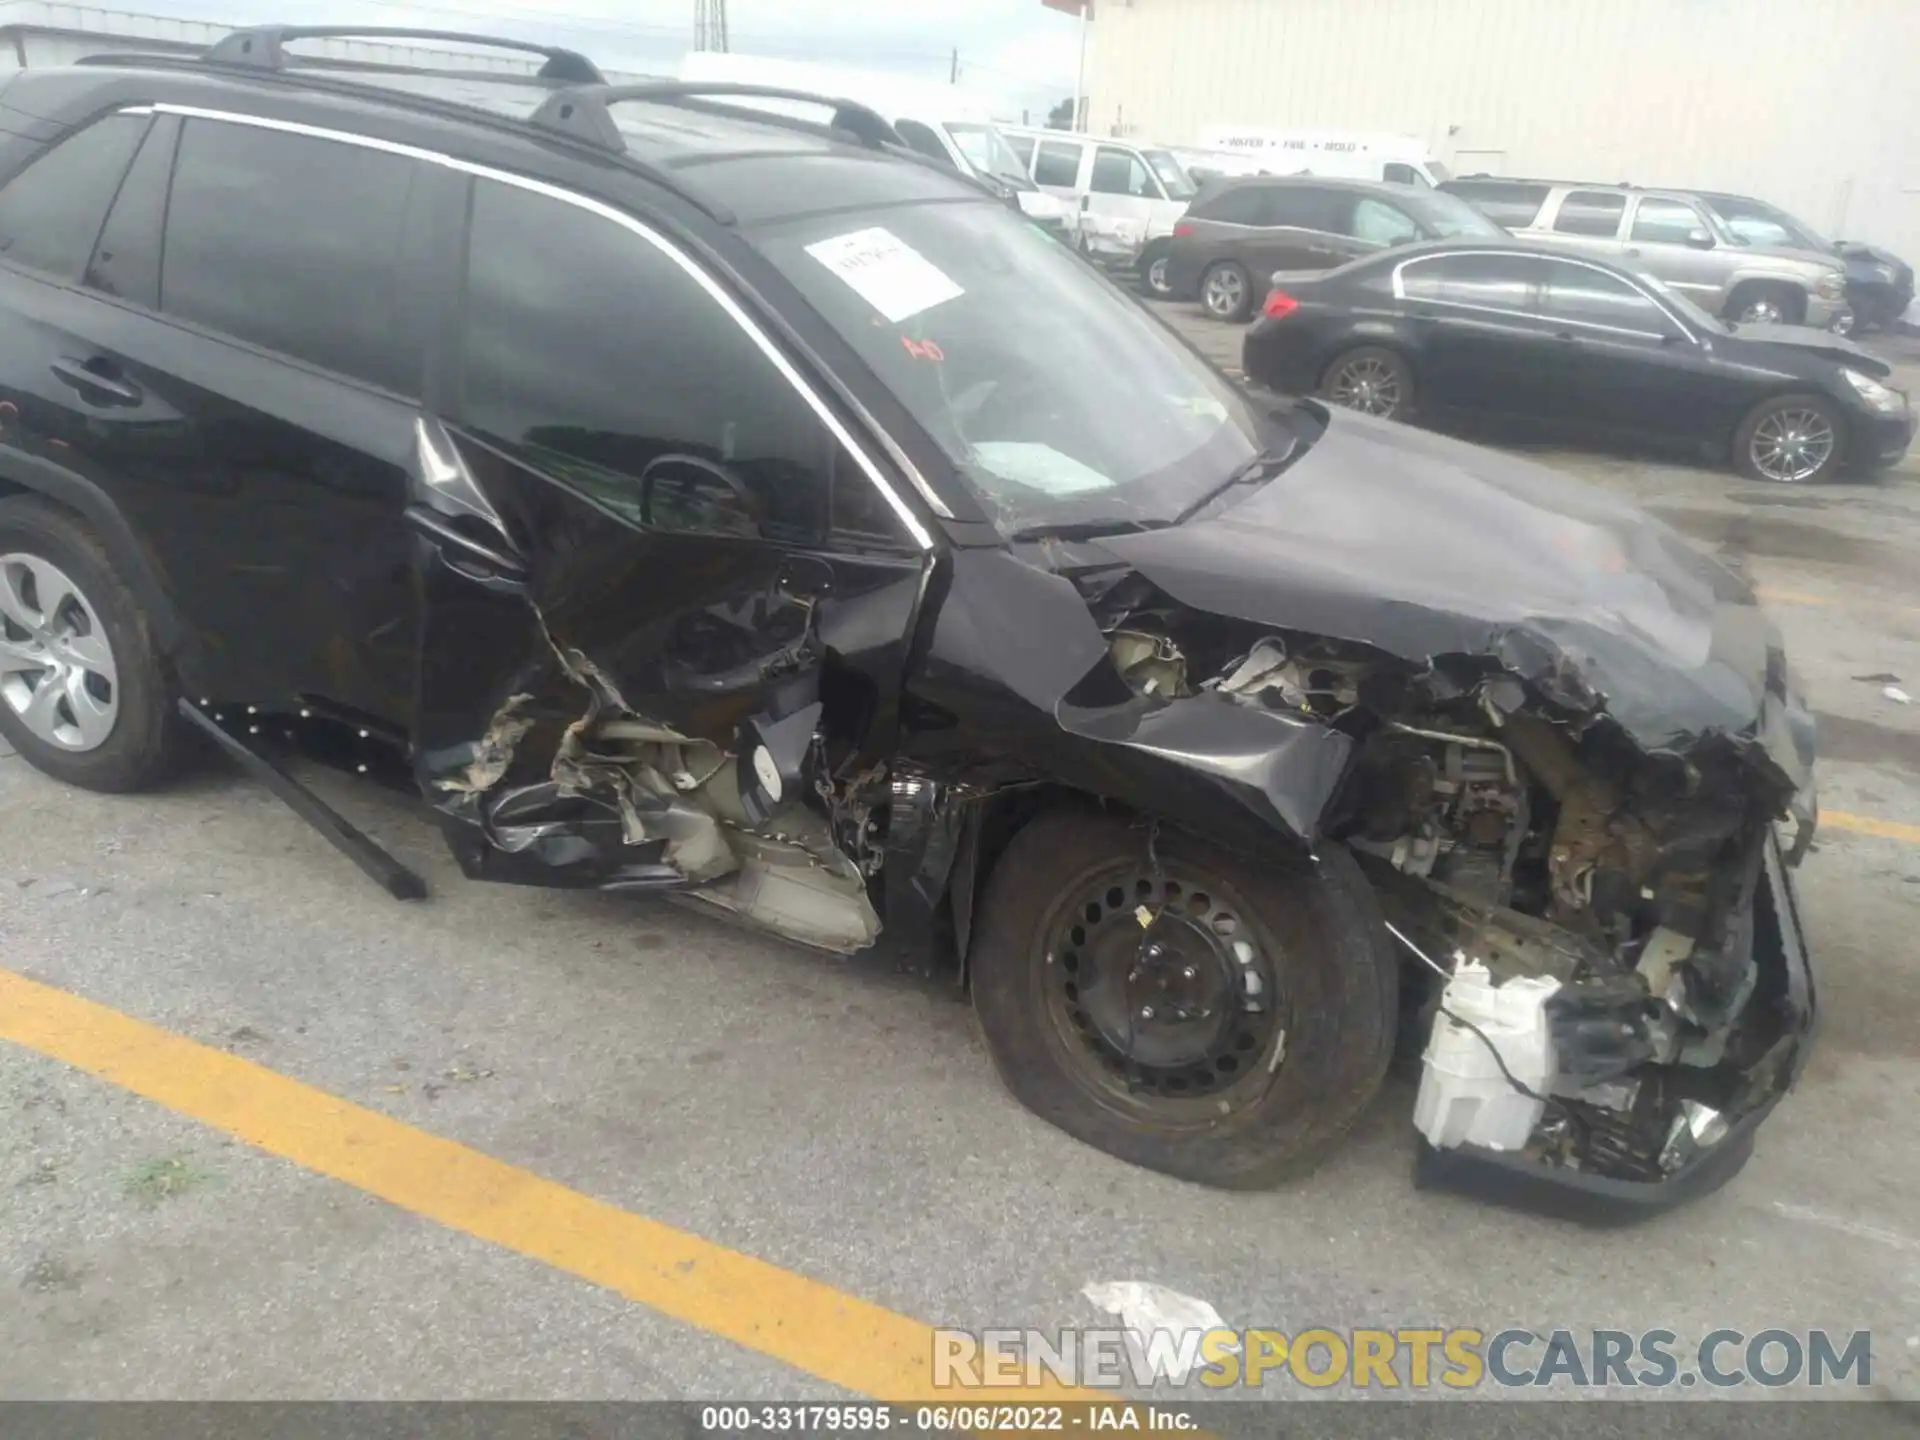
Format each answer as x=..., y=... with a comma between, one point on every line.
x=1837, y=348
x=1422, y=546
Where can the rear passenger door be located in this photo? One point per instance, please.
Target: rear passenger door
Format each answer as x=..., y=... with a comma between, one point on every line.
x=648, y=552
x=250, y=405
x=1484, y=345
x=1589, y=222
x=1306, y=228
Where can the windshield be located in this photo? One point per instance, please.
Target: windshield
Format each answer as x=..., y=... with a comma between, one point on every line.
x=987, y=151
x=1060, y=400
x=1172, y=173
x=1449, y=217
x=1688, y=311
x=1753, y=222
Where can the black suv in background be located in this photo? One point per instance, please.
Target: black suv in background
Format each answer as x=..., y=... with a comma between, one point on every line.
x=1239, y=232
x=735, y=507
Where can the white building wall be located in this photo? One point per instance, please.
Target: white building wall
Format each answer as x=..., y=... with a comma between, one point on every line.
x=1812, y=104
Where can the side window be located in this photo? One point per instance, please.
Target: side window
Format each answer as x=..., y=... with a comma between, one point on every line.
x=293, y=244
x=1022, y=145
x=592, y=354
x=1590, y=212
x=1379, y=223
x=1396, y=173
x=921, y=138
x=126, y=261
x=51, y=212
x=1309, y=207
x=1057, y=163
x=1592, y=297
x=1490, y=282
x=1513, y=203
x=1667, y=222
x=1120, y=172
x=1239, y=205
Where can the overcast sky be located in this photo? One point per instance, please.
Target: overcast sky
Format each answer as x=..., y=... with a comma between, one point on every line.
x=1013, y=50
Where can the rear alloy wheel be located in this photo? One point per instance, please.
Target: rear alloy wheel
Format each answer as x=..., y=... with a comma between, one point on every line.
x=1371, y=380
x=1226, y=291
x=82, y=690
x=1790, y=440
x=1155, y=279
x=1178, y=1005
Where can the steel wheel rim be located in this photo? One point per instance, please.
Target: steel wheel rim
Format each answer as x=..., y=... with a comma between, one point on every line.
x=1791, y=445
x=1157, y=276
x=1225, y=291
x=1762, y=312
x=1185, y=1036
x=1368, y=384
x=57, y=670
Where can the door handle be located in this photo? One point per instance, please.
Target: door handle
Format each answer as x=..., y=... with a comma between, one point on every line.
x=1567, y=335
x=1633, y=250
x=97, y=378
x=463, y=553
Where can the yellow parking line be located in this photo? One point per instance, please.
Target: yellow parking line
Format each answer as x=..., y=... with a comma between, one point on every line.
x=1789, y=597
x=801, y=1322
x=1867, y=825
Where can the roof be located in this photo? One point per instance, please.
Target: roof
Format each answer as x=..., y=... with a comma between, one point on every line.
x=736, y=163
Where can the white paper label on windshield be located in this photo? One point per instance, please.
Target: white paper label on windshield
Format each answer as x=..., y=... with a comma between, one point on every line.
x=886, y=272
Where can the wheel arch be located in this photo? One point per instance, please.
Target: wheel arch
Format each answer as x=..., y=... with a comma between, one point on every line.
x=1744, y=281
x=29, y=475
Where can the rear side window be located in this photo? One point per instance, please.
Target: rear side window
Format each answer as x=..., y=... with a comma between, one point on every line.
x=1590, y=212
x=1379, y=223
x=921, y=138
x=1593, y=297
x=293, y=244
x=52, y=211
x=1397, y=174
x=1490, y=282
x=1238, y=205
x=1022, y=145
x=1121, y=172
x=1056, y=163
x=594, y=356
x=1513, y=203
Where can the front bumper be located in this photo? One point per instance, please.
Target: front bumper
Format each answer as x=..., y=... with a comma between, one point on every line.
x=1880, y=440
x=1825, y=314
x=1514, y=1179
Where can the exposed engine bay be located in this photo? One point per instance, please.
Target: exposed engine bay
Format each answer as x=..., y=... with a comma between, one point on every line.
x=1580, y=912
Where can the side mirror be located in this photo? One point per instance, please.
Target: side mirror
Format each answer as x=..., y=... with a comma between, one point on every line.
x=1699, y=240
x=694, y=496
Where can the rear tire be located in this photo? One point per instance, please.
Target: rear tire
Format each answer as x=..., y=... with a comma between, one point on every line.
x=99, y=712
x=1154, y=273
x=1791, y=440
x=1226, y=291
x=1371, y=379
x=1760, y=302
x=1230, y=1095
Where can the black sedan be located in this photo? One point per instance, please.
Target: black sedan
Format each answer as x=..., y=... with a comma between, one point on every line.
x=1518, y=333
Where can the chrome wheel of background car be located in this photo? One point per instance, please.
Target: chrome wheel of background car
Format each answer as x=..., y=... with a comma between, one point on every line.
x=1365, y=383
x=1157, y=276
x=1763, y=311
x=1225, y=292
x=1162, y=992
x=1792, y=444
x=1845, y=325
x=56, y=667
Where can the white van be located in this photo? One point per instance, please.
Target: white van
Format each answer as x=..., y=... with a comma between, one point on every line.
x=1129, y=197
x=939, y=121
x=1346, y=155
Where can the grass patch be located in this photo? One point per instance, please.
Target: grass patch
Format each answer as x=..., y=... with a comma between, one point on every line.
x=165, y=1178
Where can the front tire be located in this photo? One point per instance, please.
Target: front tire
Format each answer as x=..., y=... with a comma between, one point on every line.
x=83, y=689
x=1230, y=1038
x=1371, y=379
x=1226, y=291
x=1759, y=303
x=1790, y=440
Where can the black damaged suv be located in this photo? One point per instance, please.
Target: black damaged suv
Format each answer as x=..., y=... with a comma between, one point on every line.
x=731, y=506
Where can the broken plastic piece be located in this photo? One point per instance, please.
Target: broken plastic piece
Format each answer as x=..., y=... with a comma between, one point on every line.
x=1466, y=1097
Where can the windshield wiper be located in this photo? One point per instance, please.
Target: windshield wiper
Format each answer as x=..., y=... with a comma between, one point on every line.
x=1260, y=468
x=1088, y=529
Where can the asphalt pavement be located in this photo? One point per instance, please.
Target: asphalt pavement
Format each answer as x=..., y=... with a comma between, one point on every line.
x=830, y=1118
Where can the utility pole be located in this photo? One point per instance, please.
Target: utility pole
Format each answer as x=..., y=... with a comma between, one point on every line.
x=1080, y=96
x=710, y=25
x=953, y=67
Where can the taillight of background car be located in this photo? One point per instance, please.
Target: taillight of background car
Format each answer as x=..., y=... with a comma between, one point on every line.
x=1279, y=305
x=1182, y=228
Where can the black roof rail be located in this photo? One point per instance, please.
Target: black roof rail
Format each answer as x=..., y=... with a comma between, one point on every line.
x=582, y=113
x=262, y=47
